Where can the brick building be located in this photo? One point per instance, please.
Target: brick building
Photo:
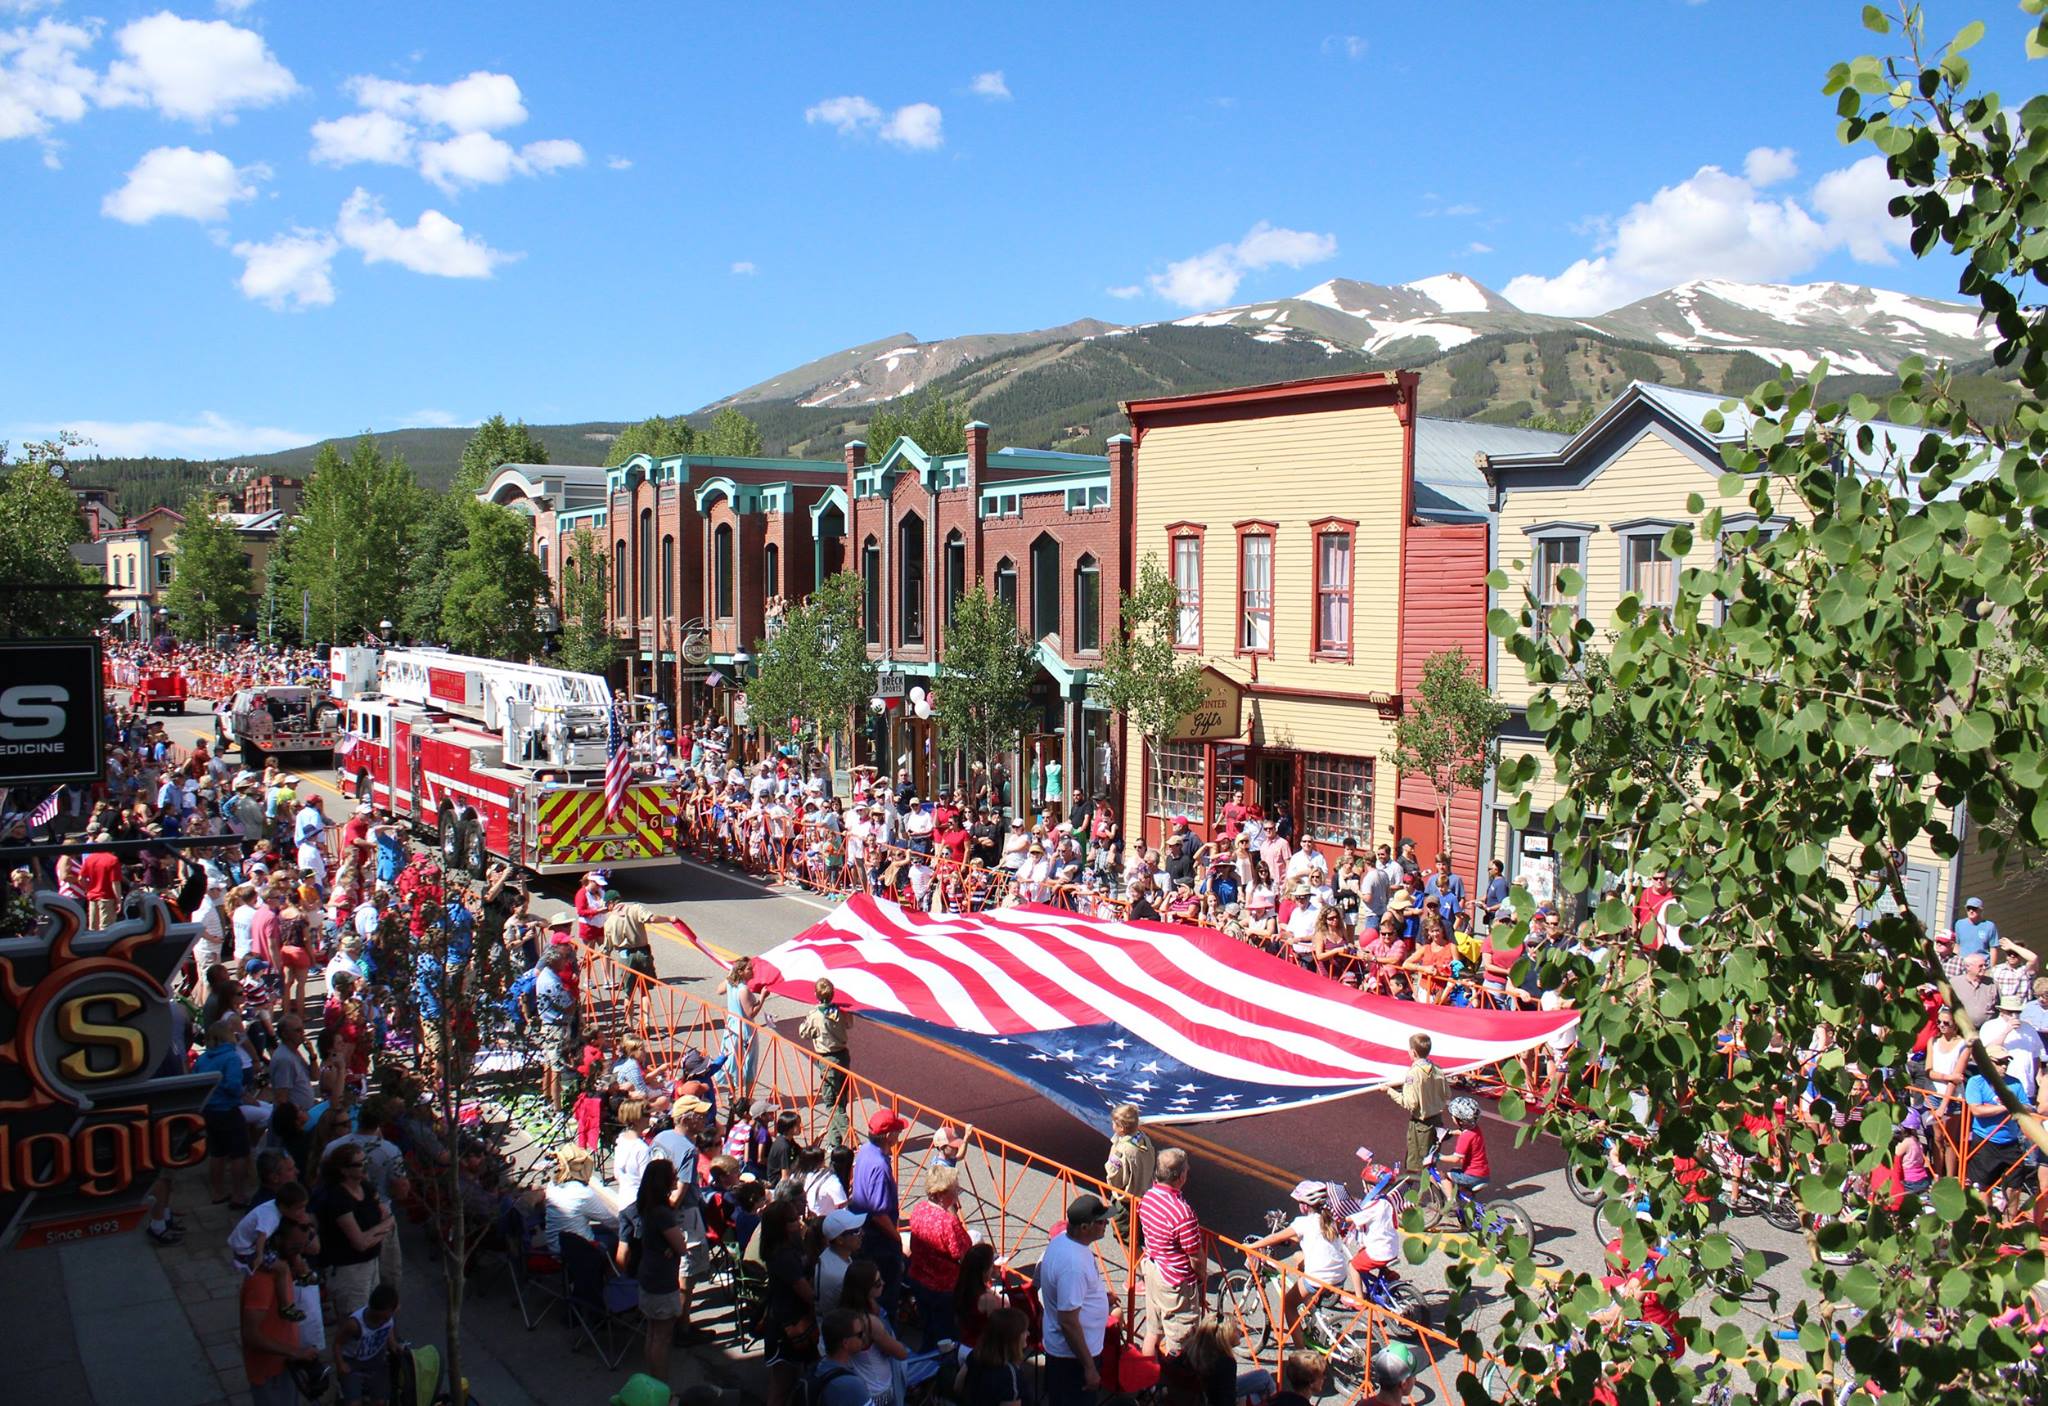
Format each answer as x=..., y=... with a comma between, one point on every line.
x=272, y=493
x=1036, y=528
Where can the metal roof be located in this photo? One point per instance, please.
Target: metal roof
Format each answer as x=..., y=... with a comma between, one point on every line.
x=1444, y=451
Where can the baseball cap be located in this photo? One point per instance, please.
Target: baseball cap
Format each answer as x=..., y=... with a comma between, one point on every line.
x=1086, y=1209
x=761, y=1108
x=843, y=1220
x=690, y=1103
x=883, y=1122
x=1973, y=903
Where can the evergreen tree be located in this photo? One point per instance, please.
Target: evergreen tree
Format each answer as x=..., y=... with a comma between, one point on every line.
x=656, y=437
x=982, y=698
x=495, y=585
x=497, y=441
x=937, y=423
x=355, y=535
x=586, y=645
x=731, y=436
x=210, y=581
x=39, y=522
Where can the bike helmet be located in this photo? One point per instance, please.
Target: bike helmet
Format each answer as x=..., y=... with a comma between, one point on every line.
x=1311, y=1193
x=1391, y=1369
x=1465, y=1109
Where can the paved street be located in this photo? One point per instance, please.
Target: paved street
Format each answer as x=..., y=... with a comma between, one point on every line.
x=1242, y=1167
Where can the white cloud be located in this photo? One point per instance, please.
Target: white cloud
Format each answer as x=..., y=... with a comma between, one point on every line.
x=433, y=419
x=1351, y=46
x=481, y=102
x=848, y=114
x=375, y=137
x=194, y=70
x=1125, y=290
x=210, y=436
x=744, y=266
x=553, y=154
x=234, y=7
x=176, y=180
x=1718, y=225
x=434, y=244
x=1768, y=165
x=990, y=85
x=1475, y=247
x=24, y=7
x=480, y=159
x=292, y=272
x=41, y=80
x=447, y=129
x=1853, y=201
x=1211, y=277
x=619, y=163
x=916, y=126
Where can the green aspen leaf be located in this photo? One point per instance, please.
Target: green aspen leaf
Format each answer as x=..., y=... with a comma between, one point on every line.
x=1817, y=1196
x=1948, y=1198
x=1876, y=21
x=1512, y=1109
x=1974, y=732
x=1732, y=485
x=1715, y=1252
x=1805, y=858
x=1968, y=37
x=1497, y=580
x=1730, y=1341
x=1694, y=503
x=1861, y=1287
x=1542, y=712
x=1570, y=582
x=1956, y=1286
x=1499, y=622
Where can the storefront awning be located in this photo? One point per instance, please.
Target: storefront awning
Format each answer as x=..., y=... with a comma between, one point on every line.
x=123, y=617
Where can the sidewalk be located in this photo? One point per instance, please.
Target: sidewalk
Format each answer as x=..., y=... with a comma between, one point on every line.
x=123, y=1322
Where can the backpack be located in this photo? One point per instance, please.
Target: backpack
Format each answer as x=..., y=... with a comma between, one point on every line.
x=814, y=1387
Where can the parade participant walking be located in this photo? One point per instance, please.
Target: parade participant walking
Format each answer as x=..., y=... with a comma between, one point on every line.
x=590, y=908
x=825, y=1028
x=1423, y=1094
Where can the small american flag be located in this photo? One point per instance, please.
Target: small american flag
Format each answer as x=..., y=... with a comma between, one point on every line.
x=47, y=811
x=618, y=765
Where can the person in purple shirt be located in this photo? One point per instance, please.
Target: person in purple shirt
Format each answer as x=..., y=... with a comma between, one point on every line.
x=873, y=1194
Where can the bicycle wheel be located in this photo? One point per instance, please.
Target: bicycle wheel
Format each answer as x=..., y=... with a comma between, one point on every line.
x=1499, y=1219
x=1426, y=1194
x=1609, y=1219
x=1780, y=1207
x=1405, y=1299
x=1584, y=1181
x=1238, y=1292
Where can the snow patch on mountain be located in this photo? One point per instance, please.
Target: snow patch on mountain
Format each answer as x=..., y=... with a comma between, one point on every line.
x=1452, y=292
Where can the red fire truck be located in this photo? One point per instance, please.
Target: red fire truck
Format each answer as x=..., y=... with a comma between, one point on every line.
x=497, y=760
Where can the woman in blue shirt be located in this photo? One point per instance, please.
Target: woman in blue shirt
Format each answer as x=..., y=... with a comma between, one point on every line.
x=229, y=1172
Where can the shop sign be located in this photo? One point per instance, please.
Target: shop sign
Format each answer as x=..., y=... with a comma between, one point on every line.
x=50, y=711
x=889, y=684
x=87, y=1118
x=1220, y=714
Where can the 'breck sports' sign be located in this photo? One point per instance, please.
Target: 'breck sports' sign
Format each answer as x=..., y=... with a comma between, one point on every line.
x=90, y=1110
x=50, y=710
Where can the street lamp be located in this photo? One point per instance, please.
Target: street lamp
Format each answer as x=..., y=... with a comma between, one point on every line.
x=742, y=662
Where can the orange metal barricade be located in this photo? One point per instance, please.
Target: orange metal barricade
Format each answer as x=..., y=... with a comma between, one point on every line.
x=1016, y=1198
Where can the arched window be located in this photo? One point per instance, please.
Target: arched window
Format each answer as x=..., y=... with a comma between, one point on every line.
x=1045, y=586
x=619, y=577
x=1087, y=606
x=646, y=601
x=668, y=574
x=1006, y=584
x=956, y=573
x=771, y=569
x=721, y=571
x=543, y=549
x=871, y=589
x=910, y=585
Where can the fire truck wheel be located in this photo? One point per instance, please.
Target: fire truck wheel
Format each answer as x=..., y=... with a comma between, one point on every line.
x=476, y=853
x=451, y=843
x=363, y=787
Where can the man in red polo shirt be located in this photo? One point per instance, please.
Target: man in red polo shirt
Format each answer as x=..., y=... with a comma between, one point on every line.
x=99, y=873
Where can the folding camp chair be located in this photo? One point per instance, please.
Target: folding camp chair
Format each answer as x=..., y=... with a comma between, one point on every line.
x=603, y=1304
x=535, y=1275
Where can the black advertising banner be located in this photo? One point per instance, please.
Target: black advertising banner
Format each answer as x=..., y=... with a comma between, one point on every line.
x=51, y=706
x=91, y=1108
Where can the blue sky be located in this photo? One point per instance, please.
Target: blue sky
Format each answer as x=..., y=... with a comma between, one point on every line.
x=239, y=224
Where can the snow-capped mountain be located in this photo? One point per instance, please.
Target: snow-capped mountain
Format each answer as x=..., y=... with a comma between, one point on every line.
x=1858, y=329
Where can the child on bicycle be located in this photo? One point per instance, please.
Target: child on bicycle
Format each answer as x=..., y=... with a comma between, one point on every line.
x=1466, y=1162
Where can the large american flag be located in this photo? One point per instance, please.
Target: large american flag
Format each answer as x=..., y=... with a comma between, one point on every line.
x=1186, y=1023
x=618, y=764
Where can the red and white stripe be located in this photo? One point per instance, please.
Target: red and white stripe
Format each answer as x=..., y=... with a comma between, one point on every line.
x=1209, y=1001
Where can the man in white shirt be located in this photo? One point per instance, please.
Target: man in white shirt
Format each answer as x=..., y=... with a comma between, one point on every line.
x=290, y=1080
x=206, y=951
x=1075, y=1303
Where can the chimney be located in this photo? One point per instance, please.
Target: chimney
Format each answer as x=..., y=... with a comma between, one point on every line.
x=977, y=450
x=856, y=454
x=1123, y=458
